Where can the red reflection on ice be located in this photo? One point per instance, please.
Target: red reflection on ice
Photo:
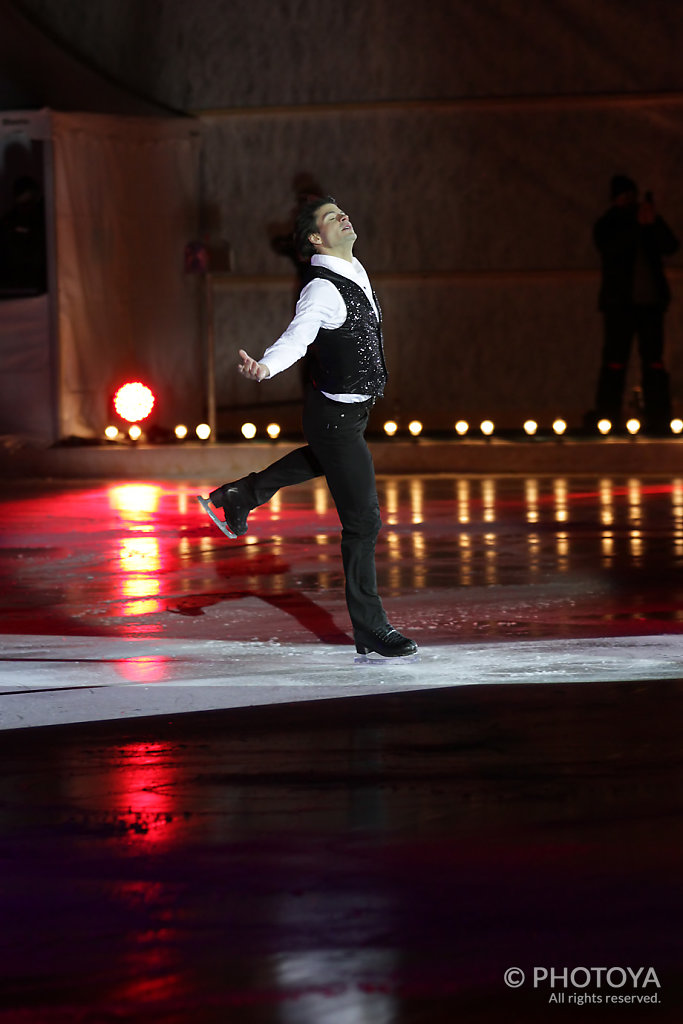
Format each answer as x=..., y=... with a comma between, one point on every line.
x=143, y=790
x=134, y=502
x=140, y=561
x=154, y=977
x=139, y=554
x=153, y=984
x=147, y=669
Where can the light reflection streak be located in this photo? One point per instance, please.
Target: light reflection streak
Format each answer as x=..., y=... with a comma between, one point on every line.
x=391, y=502
x=141, y=606
x=139, y=561
x=139, y=555
x=465, y=545
x=606, y=503
x=325, y=580
x=634, y=502
x=393, y=542
x=419, y=554
x=139, y=586
x=560, y=492
x=463, y=501
x=275, y=506
x=531, y=495
x=636, y=546
x=678, y=544
x=207, y=547
x=142, y=791
x=490, y=556
x=677, y=512
x=562, y=546
x=607, y=546
x=534, y=546
x=146, y=669
x=416, y=501
x=488, y=494
x=321, y=497
x=135, y=502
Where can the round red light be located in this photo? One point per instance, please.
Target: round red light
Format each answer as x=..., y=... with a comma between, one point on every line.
x=134, y=401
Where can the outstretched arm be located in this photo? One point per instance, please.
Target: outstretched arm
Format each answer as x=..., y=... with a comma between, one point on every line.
x=251, y=368
x=320, y=305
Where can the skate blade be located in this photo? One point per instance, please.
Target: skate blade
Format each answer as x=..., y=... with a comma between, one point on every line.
x=378, y=659
x=223, y=527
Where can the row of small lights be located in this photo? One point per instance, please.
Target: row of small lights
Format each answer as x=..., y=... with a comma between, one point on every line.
x=486, y=427
x=633, y=426
x=462, y=427
x=135, y=432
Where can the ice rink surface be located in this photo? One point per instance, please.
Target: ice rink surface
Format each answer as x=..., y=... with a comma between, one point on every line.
x=212, y=810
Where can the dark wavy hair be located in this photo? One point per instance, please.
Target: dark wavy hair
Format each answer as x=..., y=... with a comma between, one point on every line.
x=306, y=224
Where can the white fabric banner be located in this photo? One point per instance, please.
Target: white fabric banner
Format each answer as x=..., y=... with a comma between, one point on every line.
x=126, y=204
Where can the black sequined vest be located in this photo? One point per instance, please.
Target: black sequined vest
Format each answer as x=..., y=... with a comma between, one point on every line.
x=349, y=360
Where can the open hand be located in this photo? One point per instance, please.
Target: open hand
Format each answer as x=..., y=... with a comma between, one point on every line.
x=252, y=369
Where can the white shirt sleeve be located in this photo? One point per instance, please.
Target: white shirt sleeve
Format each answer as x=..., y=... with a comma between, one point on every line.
x=320, y=305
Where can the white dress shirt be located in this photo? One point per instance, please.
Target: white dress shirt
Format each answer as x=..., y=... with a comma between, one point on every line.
x=320, y=305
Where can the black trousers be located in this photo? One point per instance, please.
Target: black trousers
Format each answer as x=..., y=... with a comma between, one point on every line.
x=621, y=325
x=337, y=450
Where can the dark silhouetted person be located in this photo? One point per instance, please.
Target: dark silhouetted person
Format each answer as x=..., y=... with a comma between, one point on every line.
x=282, y=235
x=283, y=242
x=632, y=240
x=23, y=254
x=338, y=323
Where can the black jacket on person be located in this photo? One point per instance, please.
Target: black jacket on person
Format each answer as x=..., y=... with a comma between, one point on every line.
x=622, y=242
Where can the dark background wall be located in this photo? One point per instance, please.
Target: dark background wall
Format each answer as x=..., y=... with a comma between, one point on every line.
x=472, y=144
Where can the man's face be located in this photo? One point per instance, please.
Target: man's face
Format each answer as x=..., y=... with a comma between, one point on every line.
x=334, y=230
